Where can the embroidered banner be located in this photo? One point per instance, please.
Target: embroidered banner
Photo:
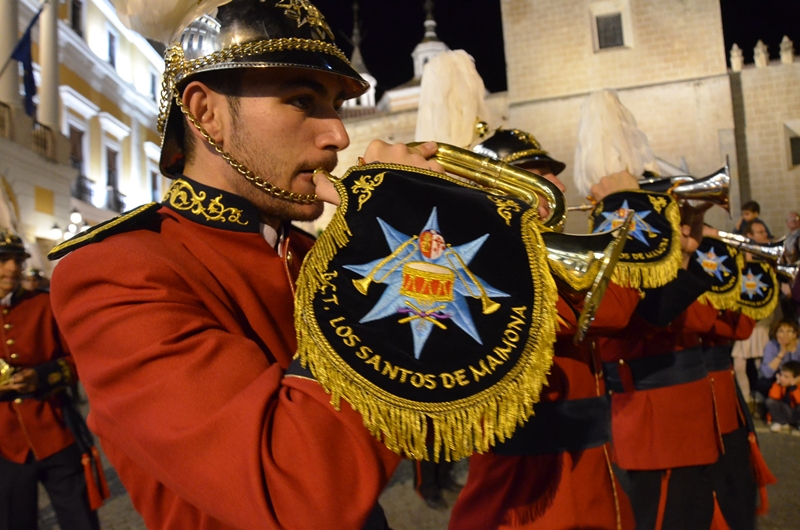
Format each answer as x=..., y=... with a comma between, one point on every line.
x=428, y=303
x=722, y=264
x=652, y=255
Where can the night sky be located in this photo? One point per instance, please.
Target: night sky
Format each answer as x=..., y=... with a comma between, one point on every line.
x=392, y=28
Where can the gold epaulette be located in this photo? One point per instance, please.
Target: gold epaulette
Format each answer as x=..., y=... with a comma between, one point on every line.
x=119, y=224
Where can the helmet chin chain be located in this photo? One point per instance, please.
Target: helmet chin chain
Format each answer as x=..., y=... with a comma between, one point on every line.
x=255, y=180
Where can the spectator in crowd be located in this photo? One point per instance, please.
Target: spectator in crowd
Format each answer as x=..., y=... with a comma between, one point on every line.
x=757, y=231
x=783, y=348
x=750, y=212
x=783, y=399
x=792, y=243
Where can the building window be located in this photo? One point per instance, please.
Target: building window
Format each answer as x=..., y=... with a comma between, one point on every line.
x=794, y=142
x=112, y=156
x=76, y=148
x=609, y=31
x=154, y=85
x=112, y=48
x=76, y=16
x=611, y=24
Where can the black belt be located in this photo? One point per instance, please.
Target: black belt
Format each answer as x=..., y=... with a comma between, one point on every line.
x=561, y=426
x=658, y=371
x=718, y=358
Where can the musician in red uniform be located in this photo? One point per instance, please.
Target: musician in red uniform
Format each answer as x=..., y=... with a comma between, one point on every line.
x=664, y=429
x=35, y=444
x=181, y=314
x=555, y=473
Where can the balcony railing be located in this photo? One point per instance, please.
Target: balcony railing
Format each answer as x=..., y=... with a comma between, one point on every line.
x=115, y=201
x=82, y=189
x=43, y=141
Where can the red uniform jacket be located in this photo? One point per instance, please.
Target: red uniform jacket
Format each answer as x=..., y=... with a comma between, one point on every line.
x=561, y=490
x=666, y=427
x=31, y=339
x=184, y=329
x=728, y=327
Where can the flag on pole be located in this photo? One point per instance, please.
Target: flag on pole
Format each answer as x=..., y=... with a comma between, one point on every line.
x=22, y=53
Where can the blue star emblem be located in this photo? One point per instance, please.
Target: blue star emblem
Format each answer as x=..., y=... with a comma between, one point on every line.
x=427, y=282
x=639, y=226
x=712, y=264
x=752, y=285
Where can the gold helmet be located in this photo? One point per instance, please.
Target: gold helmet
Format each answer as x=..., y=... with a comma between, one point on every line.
x=242, y=34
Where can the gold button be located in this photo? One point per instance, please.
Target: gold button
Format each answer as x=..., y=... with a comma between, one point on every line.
x=18, y=401
x=622, y=361
x=289, y=258
x=10, y=342
x=5, y=311
x=14, y=356
x=8, y=326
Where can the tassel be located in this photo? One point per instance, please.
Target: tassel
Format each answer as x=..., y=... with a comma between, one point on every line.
x=718, y=522
x=101, y=475
x=95, y=500
x=763, y=476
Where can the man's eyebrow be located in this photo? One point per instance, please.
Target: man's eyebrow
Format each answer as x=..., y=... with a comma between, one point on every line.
x=311, y=84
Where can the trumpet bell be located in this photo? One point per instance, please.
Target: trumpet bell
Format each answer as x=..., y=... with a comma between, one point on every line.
x=713, y=188
x=584, y=265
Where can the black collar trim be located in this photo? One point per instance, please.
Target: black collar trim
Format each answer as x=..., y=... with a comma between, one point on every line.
x=211, y=206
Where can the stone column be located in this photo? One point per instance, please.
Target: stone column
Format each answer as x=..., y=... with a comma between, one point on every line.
x=48, y=110
x=761, y=54
x=737, y=58
x=9, y=35
x=787, y=51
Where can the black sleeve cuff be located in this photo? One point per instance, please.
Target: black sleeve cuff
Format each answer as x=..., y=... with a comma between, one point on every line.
x=663, y=305
x=298, y=370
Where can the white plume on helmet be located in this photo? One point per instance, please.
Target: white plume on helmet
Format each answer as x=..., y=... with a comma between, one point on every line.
x=160, y=20
x=452, y=99
x=609, y=141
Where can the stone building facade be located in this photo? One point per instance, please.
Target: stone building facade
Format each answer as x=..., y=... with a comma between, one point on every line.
x=666, y=59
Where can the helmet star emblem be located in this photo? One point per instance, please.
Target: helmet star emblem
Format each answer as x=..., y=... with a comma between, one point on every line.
x=304, y=12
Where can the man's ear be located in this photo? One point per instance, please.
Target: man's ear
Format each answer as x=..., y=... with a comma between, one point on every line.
x=206, y=106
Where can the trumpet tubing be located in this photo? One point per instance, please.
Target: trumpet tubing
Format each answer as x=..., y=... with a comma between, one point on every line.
x=506, y=178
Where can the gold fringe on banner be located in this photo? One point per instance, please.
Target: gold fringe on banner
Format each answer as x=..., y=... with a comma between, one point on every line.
x=730, y=298
x=655, y=274
x=460, y=427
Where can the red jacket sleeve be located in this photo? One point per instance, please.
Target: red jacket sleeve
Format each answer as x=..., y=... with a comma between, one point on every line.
x=193, y=402
x=776, y=391
x=733, y=325
x=614, y=313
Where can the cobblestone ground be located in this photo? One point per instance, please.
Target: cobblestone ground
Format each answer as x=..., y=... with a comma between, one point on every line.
x=406, y=511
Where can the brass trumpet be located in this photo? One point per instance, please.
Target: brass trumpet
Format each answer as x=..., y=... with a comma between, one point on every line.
x=713, y=188
x=772, y=252
x=498, y=175
x=787, y=273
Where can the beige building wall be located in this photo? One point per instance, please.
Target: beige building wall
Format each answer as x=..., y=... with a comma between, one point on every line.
x=690, y=120
x=550, y=45
x=771, y=116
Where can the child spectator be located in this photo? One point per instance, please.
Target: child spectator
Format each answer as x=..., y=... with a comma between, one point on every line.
x=784, y=397
x=750, y=212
